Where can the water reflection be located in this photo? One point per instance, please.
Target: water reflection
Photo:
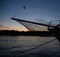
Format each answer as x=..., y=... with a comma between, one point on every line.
x=29, y=46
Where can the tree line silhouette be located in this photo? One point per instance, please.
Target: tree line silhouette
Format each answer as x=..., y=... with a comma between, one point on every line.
x=24, y=33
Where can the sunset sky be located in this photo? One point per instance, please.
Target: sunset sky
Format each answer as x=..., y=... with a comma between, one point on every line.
x=36, y=10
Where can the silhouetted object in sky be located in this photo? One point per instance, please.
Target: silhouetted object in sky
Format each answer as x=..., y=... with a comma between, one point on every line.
x=24, y=7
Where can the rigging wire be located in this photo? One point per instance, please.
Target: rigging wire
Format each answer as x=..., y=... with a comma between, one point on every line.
x=24, y=8
x=27, y=51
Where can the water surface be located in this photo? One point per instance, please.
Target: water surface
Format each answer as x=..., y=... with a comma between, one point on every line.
x=29, y=46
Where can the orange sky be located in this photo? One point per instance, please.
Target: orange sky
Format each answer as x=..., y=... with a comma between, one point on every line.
x=13, y=28
x=21, y=28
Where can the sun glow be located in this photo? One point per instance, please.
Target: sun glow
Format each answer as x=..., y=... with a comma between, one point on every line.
x=20, y=28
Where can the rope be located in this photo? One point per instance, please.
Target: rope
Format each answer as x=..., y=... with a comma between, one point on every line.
x=26, y=51
x=16, y=13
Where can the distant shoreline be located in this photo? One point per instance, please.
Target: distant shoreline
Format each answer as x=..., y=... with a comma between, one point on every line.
x=26, y=33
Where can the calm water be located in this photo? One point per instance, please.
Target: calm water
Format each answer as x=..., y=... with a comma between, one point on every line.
x=29, y=46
